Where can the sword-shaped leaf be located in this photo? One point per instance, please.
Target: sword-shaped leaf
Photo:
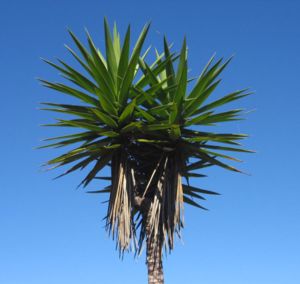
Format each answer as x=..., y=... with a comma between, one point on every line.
x=107, y=189
x=169, y=66
x=226, y=99
x=192, y=202
x=70, y=91
x=110, y=53
x=106, y=119
x=104, y=77
x=100, y=164
x=182, y=60
x=127, y=112
x=200, y=190
x=193, y=105
x=116, y=43
x=130, y=72
x=124, y=58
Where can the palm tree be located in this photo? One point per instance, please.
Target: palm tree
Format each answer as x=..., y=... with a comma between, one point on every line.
x=139, y=119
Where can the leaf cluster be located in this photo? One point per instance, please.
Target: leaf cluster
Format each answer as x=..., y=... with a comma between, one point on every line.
x=141, y=119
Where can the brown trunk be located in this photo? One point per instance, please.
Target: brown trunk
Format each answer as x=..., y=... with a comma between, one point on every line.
x=154, y=245
x=154, y=260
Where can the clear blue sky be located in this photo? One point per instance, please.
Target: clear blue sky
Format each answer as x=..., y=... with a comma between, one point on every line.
x=52, y=233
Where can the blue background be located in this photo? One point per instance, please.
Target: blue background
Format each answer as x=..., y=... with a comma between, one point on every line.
x=53, y=233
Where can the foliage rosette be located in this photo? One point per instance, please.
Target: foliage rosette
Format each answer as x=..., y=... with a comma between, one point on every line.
x=142, y=120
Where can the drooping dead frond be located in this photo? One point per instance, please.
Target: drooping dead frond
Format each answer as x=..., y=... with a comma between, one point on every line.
x=119, y=219
x=164, y=216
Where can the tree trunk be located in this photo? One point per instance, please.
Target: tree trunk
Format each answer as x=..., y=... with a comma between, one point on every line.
x=154, y=244
x=154, y=260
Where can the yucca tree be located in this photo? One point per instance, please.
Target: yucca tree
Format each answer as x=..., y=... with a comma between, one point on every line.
x=139, y=119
